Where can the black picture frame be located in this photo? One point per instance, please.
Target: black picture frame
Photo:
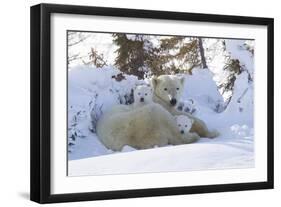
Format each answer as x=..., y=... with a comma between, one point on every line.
x=41, y=98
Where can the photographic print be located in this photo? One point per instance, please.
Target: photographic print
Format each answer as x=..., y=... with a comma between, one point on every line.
x=132, y=103
x=149, y=103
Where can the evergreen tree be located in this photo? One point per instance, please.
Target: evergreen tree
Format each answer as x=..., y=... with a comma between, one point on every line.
x=202, y=53
x=95, y=59
x=234, y=68
x=137, y=55
x=131, y=54
x=181, y=53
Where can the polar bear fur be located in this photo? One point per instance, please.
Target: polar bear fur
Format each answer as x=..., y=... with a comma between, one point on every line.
x=167, y=90
x=151, y=124
x=142, y=95
x=188, y=106
x=184, y=123
x=141, y=128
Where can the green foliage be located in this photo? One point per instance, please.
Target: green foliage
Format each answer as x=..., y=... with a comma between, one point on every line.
x=96, y=58
x=130, y=54
x=138, y=56
x=181, y=50
x=234, y=68
x=233, y=65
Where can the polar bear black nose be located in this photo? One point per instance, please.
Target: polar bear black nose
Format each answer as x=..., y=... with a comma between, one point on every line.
x=173, y=101
x=141, y=99
x=182, y=132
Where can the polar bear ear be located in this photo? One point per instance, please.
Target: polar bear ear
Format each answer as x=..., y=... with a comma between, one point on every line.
x=154, y=82
x=191, y=121
x=182, y=79
x=137, y=85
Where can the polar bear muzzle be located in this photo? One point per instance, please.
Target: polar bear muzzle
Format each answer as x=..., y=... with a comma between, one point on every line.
x=173, y=101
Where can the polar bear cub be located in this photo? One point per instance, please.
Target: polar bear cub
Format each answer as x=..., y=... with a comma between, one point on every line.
x=184, y=123
x=142, y=95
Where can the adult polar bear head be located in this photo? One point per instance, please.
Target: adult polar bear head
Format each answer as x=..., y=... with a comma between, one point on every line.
x=168, y=88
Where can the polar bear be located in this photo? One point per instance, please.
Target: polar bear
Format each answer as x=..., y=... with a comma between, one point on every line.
x=145, y=127
x=184, y=123
x=142, y=95
x=167, y=90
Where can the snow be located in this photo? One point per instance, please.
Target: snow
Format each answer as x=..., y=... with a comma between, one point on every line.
x=198, y=156
x=218, y=51
x=201, y=87
x=242, y=100
x=92, y=91
x=101, y=42
x=217, y=55
x=238, y=51
x=91, y=87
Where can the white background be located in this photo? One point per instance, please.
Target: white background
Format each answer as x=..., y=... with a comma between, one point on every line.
x=14, y=104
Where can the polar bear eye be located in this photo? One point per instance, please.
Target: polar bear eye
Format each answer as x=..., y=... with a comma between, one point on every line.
x=178, y=88
x=139, y=94
x=179, y=125
x=145, y=94
x=165, y=89
x=185, y=125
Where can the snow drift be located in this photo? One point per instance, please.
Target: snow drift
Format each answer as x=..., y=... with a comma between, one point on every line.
x=90, y=89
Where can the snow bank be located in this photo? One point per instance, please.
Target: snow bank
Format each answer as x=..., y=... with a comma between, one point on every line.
x=215, y=154
x=201, y=87
x=241, y=102
x=89, y=87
